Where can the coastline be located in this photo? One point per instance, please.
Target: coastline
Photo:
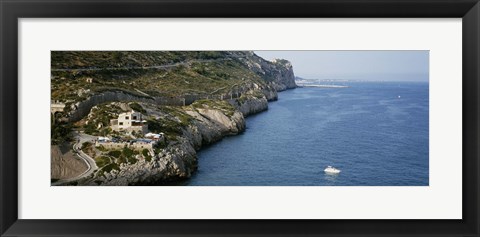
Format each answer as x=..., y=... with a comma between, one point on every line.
x=193, y=107
x=178, y=161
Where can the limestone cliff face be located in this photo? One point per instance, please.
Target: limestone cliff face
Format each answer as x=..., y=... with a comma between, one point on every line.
x=278, y=73
x=179, y=160
x=176, y=162
x=283, y=75
x=250, y=105
x=277, y=76
x=81, y=109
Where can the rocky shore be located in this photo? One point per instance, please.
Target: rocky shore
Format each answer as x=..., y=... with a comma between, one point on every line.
x=179, y=159
x=208, y=122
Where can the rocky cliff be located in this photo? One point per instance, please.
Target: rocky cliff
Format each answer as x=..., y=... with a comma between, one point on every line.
x=179, y=160
x=81, y=109
x=278, y=73
x=79, y=75
x=210, y=123
x=284, y=78
x=213, y=95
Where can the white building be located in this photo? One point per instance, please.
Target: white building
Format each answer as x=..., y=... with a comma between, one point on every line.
x=129, y=121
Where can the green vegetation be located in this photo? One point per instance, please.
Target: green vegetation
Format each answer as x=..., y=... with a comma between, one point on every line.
x=221, y=105
x=177, y=114
x=114, y=158
x=90, y=128
x=157, y=148
x=107, y=169
x=147, y=155
x=89, y=149
x=86, y=145
x=170, y=128
x=123, y=156
x=119, y=87
x=127, y=152
x=245, y=97
x=170, y=77
x=110, y=167
x=258, y=94
x=60, y=133
x=172, y=124
x=100, y=116
x=210, y=54
x=102, y=161
x=102, y=148
x=115, y=153
x=117, y=59
x=149, y=73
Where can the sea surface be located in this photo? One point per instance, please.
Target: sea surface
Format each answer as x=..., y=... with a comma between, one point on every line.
x=376, y=133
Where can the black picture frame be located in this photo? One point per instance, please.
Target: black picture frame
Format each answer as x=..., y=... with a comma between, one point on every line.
x=11, y=11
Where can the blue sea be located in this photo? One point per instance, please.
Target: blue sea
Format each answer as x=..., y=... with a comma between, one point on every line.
x=376, y=133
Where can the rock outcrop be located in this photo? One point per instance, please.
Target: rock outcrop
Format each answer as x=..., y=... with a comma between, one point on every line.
x=283, y=75
x=209, y=123
x=176, y=162
x=250, y=105
x=278, y=73
x=81, y=109
x=179, y=160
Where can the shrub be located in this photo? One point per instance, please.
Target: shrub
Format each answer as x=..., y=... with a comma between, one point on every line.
x=86, y=145
x=132, y=160
x=127, y=152
x=146, y=154
x=115, y=153
x=90, y=129
x=110, y=167
x=102, y=148
x=61, y=133
x=102, y=161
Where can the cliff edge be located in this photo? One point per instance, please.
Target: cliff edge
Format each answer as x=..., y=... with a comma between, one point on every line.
x=193, y=98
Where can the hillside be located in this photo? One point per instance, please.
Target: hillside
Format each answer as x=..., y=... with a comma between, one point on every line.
x=192, y=98
x=159, y=73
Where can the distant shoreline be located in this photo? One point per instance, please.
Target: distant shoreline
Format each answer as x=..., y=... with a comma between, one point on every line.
x=322, y=86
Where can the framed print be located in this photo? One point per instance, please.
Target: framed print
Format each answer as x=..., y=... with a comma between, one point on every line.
x=161, y=118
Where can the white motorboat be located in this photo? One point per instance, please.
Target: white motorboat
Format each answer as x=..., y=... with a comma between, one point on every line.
x=332, y=170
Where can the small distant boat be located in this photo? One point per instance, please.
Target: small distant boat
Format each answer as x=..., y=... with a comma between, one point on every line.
x=332, y=170
x=399, y=97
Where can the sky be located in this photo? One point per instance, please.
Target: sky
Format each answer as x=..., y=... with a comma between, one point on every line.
x=397, y=65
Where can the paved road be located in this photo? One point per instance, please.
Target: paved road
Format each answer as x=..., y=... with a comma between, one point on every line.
x=89, y=161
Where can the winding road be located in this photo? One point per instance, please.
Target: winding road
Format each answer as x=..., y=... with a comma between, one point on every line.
x=89, y=161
